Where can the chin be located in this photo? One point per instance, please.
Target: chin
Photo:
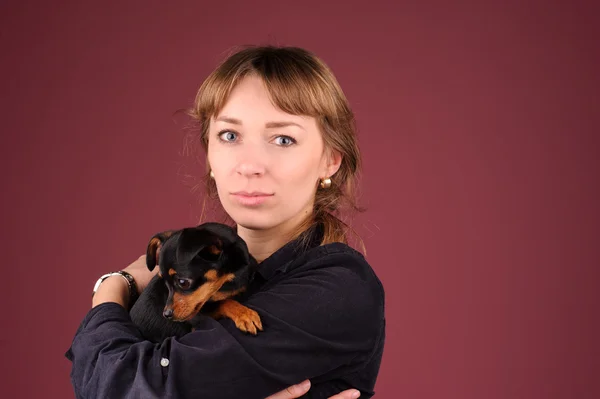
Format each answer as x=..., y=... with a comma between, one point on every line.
x=252, y=224
x=253, y=219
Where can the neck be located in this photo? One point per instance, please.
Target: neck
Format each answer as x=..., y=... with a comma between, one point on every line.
x=263, y=243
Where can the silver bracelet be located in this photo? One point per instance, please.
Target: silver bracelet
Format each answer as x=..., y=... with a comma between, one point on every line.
x=133, y=292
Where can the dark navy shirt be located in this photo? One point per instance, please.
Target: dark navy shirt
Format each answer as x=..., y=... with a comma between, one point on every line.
x=322, y=310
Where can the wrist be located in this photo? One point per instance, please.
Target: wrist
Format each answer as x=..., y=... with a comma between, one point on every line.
x=124, y=292
x=112, y=289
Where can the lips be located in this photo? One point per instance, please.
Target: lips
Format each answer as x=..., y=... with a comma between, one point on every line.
x=251, y=194
x=253, y=198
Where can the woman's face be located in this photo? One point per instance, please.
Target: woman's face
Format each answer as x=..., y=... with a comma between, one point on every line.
x=266, y=163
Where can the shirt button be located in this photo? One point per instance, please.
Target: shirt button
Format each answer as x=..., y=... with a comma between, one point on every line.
x=164, y=362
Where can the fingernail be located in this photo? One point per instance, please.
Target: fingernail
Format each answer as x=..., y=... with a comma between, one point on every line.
x=305, y=385
x=355, y=394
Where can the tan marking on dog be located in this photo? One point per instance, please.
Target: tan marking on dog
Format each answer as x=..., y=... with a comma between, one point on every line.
x=222, y=295
x=211, y=275
x=213, y=249
x=154, y=243
x=185, y=306
x=172, y=272
x=154, y=247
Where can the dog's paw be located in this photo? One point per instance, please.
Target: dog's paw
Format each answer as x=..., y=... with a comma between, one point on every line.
x=247, y=320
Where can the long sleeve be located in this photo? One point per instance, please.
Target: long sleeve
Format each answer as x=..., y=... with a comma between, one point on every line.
x=322, y=321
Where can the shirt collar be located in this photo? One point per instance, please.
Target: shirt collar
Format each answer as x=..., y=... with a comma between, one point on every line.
x=281, y=259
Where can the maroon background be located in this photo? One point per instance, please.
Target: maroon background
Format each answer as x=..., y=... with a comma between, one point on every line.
x=479, y=130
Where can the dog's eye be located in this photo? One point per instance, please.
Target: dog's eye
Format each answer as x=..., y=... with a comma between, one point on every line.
x=183, y=283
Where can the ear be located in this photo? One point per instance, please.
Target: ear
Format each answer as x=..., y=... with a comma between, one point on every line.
x=333, y=162
x=154, y=246
x=196, y=241
x=212, y=251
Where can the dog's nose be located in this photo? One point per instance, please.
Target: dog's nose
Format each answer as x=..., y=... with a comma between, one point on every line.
x=168, y=313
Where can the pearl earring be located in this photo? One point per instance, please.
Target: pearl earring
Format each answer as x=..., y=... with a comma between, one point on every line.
x=325, y=183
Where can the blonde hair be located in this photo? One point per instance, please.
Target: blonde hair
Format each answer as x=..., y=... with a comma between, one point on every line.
x=299, y=83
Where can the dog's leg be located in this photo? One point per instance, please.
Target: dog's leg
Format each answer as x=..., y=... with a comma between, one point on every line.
x=245, y=319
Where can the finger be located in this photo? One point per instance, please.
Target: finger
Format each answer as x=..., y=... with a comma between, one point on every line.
x=295, y=391
x=347, y=394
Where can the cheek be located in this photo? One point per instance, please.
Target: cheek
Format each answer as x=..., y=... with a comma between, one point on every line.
x=218, y=158
x=298, y=176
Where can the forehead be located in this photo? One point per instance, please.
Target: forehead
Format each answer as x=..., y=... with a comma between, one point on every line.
x=250, y=101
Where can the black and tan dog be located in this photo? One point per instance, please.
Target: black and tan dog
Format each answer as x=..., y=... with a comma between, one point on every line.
x=203, y=270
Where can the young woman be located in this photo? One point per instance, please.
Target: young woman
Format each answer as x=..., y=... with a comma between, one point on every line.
x=282, y=158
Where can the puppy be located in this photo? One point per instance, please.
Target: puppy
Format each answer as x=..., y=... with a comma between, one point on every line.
x=202, y=270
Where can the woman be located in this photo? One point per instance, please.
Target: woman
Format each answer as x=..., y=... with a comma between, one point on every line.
x=281, y=156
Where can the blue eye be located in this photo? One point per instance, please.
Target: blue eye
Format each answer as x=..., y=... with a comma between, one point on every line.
x=285, y=141
x=227, y=136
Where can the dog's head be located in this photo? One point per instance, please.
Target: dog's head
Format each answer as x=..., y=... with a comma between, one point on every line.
x=206, y=263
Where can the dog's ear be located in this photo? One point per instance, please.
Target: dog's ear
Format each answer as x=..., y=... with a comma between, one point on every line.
x=154, y=246
x=198, y=242
x=212, y=250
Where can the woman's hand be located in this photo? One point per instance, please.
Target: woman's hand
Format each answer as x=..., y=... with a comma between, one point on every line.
x=295, y=391
x=139, y=270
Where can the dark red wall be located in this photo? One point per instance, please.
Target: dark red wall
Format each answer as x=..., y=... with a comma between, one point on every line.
x=479, y=130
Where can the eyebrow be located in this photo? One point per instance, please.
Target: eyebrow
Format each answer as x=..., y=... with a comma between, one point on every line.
x=268, y=125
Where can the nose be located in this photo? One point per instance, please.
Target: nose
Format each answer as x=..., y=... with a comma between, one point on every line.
x=251, y=159
x=168, y=313
x=250, y=168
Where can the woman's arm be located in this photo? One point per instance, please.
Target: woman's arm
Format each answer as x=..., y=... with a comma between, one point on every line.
x=317, y=320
